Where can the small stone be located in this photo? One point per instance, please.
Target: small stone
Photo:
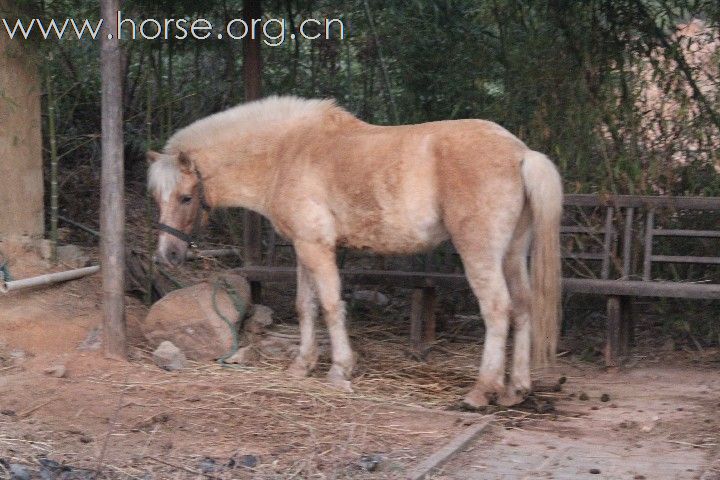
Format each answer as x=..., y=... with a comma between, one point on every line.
x=208, y=465
x=605, y=397
x=85, y=439
x=639, y=477
x=19, y=472
x=57, y=371
x=248, y=461
x=93, y=340
x=50, y=464
x=169, y=357
x=369, y=463
x=647, y=428
x=371, y=296
x=7, y=412
x=583, y=396
x=18, y=355
x=562, y=380
x=595, y=471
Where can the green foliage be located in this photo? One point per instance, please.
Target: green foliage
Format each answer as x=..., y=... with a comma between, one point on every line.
x=565, y=76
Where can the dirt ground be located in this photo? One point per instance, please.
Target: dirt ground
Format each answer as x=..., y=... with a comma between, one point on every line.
x=658, y=419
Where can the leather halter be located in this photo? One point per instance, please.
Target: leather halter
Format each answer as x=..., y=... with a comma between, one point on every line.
x=187, y=238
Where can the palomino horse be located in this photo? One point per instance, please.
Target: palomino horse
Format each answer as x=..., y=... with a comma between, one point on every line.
x=326, y=179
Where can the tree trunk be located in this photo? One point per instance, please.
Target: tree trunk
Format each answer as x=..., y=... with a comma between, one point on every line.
x=112, y=207
x=252, y=78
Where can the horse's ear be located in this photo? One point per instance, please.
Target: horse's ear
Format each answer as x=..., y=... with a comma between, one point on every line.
x=151, y=156
x=185, y=162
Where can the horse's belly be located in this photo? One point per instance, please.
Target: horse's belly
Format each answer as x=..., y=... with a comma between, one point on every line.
x=393, y=232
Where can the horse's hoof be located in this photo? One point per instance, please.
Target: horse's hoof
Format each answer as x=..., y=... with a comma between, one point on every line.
x=476, y=398
x=512, y=397
x=337, y=379
x=299, y=368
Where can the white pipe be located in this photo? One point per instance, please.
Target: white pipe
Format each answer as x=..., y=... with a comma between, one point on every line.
x=48, y=279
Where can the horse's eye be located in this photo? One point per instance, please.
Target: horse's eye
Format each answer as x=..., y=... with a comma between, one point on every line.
x=185, y=199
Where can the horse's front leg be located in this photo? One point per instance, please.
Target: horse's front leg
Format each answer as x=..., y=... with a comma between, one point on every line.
x=307, y=308
x=319, y=260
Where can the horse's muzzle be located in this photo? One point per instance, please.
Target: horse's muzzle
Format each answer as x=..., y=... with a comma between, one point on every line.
x=172, y=256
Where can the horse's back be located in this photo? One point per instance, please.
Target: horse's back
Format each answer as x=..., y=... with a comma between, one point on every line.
x=389, y=189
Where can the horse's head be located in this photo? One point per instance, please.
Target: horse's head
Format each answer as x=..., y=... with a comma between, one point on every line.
x=177, y=186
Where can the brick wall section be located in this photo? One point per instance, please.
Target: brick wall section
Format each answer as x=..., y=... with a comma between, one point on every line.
x=21, y=169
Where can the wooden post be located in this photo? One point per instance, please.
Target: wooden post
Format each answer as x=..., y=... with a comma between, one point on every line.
x=422, y=316
x=112, y=207
x=252, y=79
x=612, y=347
x=627, y=325
x=620, y=329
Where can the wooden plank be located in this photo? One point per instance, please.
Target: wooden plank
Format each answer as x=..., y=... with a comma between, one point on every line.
x=635, y=288
x=686, y=233
x=569, y=229
x=685, y=259
x=370, y=277
x=642, y=201
x=639, y=288
x=112, y=202
x=584, y=256
x=439, y=458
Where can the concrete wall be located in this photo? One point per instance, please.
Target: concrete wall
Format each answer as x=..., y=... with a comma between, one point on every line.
x=21, y=175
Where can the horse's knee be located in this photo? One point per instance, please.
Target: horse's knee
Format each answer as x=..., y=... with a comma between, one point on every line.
x=334, y=313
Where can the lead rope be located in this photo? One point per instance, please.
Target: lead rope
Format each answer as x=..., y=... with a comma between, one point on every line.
x=240, y=307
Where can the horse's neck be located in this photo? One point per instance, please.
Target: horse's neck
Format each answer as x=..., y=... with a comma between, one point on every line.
x=244, y=183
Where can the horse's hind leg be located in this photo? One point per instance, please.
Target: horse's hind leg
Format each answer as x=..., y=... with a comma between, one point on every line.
x=516, y=274
x=307, y=309
x=319, y=261
x=488, y=283
x=482, y=242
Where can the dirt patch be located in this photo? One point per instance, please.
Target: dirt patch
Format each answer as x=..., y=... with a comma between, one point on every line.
x=648, y=422
x=133, y=420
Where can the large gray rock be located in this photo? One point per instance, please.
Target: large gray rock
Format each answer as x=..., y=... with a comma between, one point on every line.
x=186, y=318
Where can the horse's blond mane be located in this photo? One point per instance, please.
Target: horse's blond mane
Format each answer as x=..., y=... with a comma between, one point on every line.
x=163, y=176
x=276, y=113
x=272, y=112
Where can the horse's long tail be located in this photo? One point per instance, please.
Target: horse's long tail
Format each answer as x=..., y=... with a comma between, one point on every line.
x=543, y=188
